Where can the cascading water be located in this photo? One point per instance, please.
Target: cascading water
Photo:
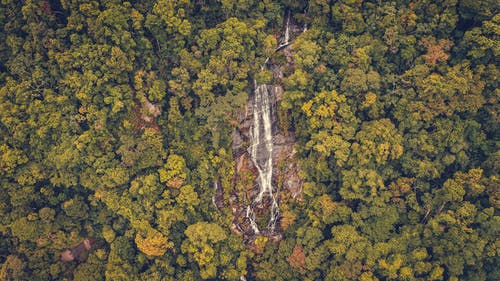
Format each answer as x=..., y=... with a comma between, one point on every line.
x=286, y=38
x=261, y=147
x=267, y=147
x=287, y=29
x=216, y=189
x=261, y=152
x=251, y=217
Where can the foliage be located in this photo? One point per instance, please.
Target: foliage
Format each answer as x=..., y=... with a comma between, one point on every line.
x=116, y=121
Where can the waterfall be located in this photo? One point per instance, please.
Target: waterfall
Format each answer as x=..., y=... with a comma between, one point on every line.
x=216, y=189
x=287, y=29
x=261, y=152
x=261, y=146
x=286, y=38
x=251, y=217
x=260, y=135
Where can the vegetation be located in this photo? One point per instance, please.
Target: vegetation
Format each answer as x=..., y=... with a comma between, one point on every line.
x=116, y=119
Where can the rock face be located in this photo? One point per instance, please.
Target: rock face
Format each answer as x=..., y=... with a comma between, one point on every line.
x=266, y=173
x=256, y=208
x=79, y=252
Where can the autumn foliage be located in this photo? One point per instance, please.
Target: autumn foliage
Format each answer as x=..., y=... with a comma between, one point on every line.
x=118, y=121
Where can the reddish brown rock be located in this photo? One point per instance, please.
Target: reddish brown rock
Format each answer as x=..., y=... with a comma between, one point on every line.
x=79, y=252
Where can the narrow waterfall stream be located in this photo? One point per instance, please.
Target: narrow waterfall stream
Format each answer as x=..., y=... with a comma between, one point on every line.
x=261, y=152
x=264, y=154
x=287, y=29
x=214, y=197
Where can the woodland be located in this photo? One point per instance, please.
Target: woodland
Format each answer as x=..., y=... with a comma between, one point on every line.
x=117, y=124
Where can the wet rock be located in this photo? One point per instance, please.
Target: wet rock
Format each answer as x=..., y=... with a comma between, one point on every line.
x=285, y=173
x=249, y=205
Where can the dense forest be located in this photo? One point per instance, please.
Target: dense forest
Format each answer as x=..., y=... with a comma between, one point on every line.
x=123, y=140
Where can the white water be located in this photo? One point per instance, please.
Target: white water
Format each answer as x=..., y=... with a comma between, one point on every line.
x=216, y=187
x=251, y=217
x=261, y=152
x=287, y=29
x=261, y=147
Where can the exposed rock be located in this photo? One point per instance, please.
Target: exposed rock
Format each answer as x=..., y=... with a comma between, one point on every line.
x=153, y=110
x=79, y=252
x=284, y=166
x=145, y=114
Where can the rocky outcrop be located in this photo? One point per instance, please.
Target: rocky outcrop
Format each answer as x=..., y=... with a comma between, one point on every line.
x=286, y=181
x=79, y=252
x=253, y=213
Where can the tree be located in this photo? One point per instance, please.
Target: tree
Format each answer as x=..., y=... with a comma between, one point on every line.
x=153, y=243
x=203, y=237
x=116, y=120
x=13, y=268
x=174, y=171
x=298, y=258
x=332, y=123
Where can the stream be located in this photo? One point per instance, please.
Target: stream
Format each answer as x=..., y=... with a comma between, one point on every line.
x=266, y=173
x=261, y=152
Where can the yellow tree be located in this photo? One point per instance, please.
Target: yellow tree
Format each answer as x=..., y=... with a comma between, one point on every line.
x=154, y=243
x=202, y=244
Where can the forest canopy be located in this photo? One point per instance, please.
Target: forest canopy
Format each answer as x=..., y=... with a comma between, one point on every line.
x=118, y=122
